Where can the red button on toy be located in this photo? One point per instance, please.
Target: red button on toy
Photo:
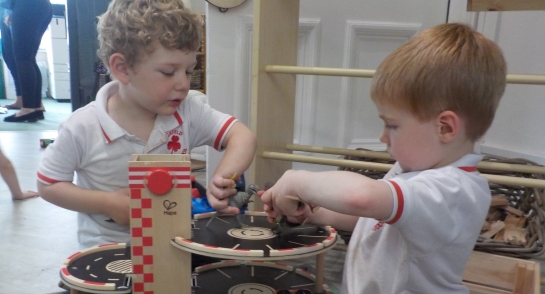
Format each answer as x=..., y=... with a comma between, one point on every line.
x=159, y=181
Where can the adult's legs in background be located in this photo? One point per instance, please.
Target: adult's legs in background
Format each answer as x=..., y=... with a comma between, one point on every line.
x=7, y=54
x=30, y=19
x=9, y=59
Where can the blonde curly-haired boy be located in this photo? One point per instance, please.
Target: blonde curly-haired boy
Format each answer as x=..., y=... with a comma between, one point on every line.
x=150, y=48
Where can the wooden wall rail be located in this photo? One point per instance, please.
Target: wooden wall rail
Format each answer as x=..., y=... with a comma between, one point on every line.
x=384, y=167
x=505, y=5
x=496, y=166
x=321, y=71
x=368, y=73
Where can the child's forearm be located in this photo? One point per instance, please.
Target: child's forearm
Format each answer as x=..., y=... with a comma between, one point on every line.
x=239, y=152
x=10, y=177
x=72, y=197
x=325, y=217
x=342, y=192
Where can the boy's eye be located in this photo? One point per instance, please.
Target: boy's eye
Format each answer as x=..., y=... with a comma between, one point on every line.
x=390, y=127
x=167, y=73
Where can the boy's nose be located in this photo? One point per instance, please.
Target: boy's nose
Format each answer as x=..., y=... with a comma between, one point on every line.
x=384, y=138
x=183, y=83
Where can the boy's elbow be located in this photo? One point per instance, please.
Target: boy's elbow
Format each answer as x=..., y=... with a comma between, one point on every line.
x=253, y=141
x=358, y=204
x=244, y=135
x=43, y=190
x=248, y=134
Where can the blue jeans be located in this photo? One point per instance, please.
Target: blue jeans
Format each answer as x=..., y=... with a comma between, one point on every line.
x=7, y=53
x=29, y=21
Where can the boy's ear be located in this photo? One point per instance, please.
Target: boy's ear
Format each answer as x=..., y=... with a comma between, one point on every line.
x=449, y=125
x=119, y=67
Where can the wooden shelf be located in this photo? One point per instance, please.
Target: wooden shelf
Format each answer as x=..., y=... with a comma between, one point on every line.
x=198, y=78
x=505, y=5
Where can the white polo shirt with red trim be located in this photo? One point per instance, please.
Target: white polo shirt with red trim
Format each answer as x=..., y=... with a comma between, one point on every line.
x=424, y=245
x=91, y=145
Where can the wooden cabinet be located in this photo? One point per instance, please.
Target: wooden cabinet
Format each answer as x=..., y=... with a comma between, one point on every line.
x=198, y=77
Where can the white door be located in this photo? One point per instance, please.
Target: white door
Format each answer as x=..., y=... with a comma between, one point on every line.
x=330, y=111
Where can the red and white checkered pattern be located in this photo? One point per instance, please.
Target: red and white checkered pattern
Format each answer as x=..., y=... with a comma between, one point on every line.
x=142, y=223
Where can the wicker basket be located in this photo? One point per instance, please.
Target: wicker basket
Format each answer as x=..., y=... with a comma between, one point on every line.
x=527, y=202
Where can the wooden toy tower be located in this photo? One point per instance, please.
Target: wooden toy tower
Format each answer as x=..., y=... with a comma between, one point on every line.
x=160, y=208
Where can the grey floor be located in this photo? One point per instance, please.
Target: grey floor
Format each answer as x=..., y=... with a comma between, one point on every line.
x=35, y=236
x=55, y=113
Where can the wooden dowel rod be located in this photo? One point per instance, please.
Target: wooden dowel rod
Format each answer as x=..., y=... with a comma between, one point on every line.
x=321, y=71
x=340, y=151
x=496, y=179
x=384, y=167
x=526, y=79
x=496, y=166
x=320, y=269
x=511, y=167
x=368, y=73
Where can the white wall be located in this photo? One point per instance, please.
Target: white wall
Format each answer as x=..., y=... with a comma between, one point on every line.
x=196, y=5
x=337, y=112
x=518, y=129
x=330, y=111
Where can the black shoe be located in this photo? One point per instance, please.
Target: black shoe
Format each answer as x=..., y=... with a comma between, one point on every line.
x=29, y=117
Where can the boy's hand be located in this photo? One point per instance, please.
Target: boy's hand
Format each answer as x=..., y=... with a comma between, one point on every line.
x=25, y=195
x=218, y=192
x=118, y=206
x=276, y=203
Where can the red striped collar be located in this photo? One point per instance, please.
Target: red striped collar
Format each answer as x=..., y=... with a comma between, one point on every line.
x=171, y=122
x=469, y=169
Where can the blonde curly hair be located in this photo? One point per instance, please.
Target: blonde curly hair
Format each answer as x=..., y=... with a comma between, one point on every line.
x=133, y=27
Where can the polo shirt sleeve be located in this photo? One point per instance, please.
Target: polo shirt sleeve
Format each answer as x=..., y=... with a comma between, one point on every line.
x=60, y=158
x=424, y=210
x=207, y=125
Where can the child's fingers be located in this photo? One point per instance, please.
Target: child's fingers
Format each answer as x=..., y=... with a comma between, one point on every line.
x=266, y=196
x=233, y=185
x=221, y=205
x=267, y=208
x=229, y=210
x=292, y=199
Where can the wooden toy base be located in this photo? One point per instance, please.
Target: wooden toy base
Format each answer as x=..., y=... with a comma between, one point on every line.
x=103, y=269
x=108, y=269
x=222, y=239
x=237, y=277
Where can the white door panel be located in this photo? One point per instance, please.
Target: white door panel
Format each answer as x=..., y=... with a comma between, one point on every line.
x=330, y=111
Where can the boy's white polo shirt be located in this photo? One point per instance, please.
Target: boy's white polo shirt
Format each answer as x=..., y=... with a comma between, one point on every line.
x=92, y=145
x=424, y=245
